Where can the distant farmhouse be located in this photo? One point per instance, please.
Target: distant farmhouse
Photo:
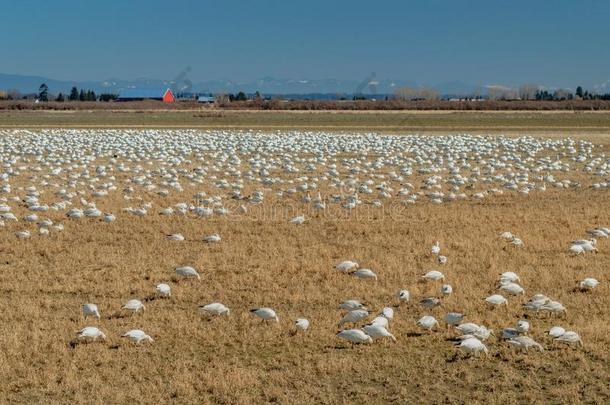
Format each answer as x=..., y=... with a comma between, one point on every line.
x=164, y=95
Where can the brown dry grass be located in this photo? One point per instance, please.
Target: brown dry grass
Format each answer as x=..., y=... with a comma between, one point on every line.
x=268, y=262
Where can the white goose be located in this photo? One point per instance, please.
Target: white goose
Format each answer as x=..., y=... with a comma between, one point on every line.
x=187, y=272
x=266, y=314
x=215, y=308
x=90, y=310
x=355, y=336
x=90, y=333
x=137, y=336
x=134, y=305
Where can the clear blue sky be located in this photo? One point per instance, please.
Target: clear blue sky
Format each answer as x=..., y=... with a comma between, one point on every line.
x=552, y=42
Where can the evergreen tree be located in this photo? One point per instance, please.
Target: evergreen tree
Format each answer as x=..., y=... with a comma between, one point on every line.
x=60, y=98
x=43, y=92
x=82, y=96
x=579, y=91
x=73, y=94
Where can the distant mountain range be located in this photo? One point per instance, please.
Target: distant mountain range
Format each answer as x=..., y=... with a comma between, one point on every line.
x=266, y=85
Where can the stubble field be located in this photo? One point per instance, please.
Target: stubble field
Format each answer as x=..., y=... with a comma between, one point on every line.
x=264, y=260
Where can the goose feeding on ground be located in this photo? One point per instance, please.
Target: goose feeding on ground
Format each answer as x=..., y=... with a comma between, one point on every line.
x=346, y=265
x=355, y=336
x=468, y=328
x=446, y=289
x=23, y=234
x=350, y=305
x=302, y=324
x=388, y=313
x=483, y=333
x=588, y=284
x=163, y=290
x=137, y=336
x=472, y=346
x=522, y=326
x=436, y=248
x=516, y=242
x=524, y=343
x=403, y=296
x=434, y=275
x=381, y=320
x=134, y=305
x=298, y=220
x=213, y=238
x=430, y=302
x=266, y=314
x=354, y=316
x=376, y=331
x=512, y=288
x=556, y=331
x=217, y=309
x=506, y=235
x=187, y=272
x=553, y=307
x=509, y=277
x=90, y=333
x=90, y=310
x=453, y=318
x=364, y=274
x=598, y=233
x=109, y=218
x=569, y=337
x=496, y=300
x=427, y=322
x=175, y=237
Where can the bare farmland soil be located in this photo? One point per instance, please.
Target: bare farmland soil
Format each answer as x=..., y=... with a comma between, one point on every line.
x=321, y=105
x=556, y=122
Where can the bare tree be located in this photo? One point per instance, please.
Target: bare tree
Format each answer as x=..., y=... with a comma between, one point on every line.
x=528, y=91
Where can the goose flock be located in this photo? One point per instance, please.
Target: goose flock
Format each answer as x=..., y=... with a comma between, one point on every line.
x=56, y=179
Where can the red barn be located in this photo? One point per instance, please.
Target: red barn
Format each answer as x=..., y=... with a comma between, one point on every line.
x=164, y=95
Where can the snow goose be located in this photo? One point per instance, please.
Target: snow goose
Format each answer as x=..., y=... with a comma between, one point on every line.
x=350, y=305
x=434, y=275
x=137, y=336
x=427, y=322
x=354, y=316
x=569, y=337
x=266, y=314
x=164, y=290
x=90, y=333
x=213, y=238
x=376, y=331
x=302, y=324
x=364, y=274
x=215, y=308
x=472, y=346
x=346, y=265
x=453, y=318
x=588, y=284
x=403, y=296
x=90, y=310
x=496, y=300
x=187, y=272
x=355, y=336
x=524, y=343
x=134, y=305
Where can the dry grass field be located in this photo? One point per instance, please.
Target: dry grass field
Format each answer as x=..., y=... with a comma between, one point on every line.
x=263, y=260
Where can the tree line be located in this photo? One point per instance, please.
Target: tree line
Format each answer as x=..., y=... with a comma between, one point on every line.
x=44, y=95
